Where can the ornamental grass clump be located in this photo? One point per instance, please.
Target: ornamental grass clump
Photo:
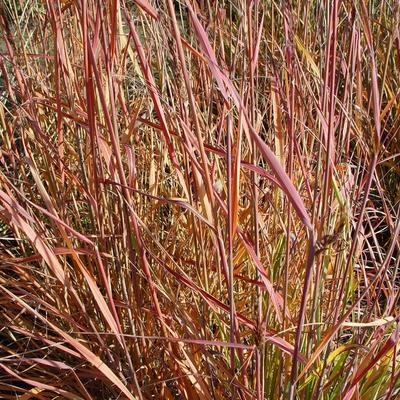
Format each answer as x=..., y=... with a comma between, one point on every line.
x=199, y=199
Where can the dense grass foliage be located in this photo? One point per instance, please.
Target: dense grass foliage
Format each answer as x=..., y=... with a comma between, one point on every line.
x=199, y=199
